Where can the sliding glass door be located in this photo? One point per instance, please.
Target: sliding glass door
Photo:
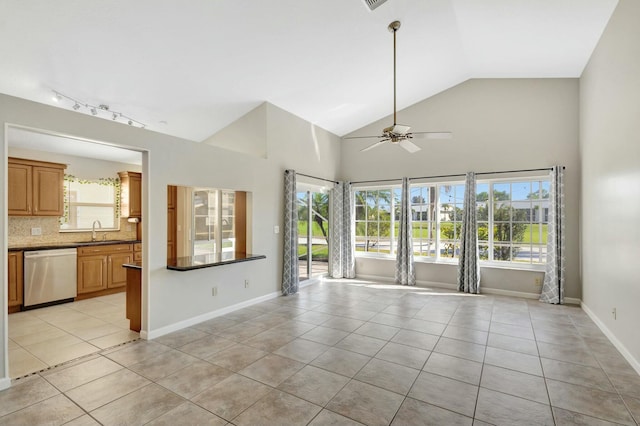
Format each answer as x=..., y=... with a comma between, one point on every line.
x=313, y=232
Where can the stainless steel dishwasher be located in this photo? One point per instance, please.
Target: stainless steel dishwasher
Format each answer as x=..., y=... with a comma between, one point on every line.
x=50, y=276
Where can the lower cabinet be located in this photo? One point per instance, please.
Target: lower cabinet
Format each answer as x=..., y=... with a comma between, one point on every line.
x=15, y=277
x=100, y=267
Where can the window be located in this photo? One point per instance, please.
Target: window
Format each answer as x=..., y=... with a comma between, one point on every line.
x=377, y=211
x=213, y=221
x=424, y=221
x=450, y=208
x=87, y=201
x=512, y=218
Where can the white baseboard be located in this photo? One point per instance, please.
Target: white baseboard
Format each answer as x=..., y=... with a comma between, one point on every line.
x=612, y=338
x=485, y=290
x=152, y=334
x=5, y=383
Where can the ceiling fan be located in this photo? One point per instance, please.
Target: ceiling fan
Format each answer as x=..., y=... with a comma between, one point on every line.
x=399, y=133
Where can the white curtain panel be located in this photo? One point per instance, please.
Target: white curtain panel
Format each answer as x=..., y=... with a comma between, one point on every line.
x=348, y=232
x=553, y=286
x=468, y=263
x=405, y=271
x=336, y=234
x=290, y=256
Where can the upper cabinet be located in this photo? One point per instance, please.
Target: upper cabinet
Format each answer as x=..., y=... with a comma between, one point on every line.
x=131, y=194
x=36, y=188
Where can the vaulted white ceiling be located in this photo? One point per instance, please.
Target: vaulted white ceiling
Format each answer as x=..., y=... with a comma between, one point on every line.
x=190, y=68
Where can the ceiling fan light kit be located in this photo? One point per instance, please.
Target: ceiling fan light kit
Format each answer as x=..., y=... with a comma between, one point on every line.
x=399, y=133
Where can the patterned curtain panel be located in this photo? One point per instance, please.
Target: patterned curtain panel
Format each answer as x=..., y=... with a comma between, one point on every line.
x=468, y=264
x=336, y=235
x=290, y=255
x=405, y=272
x=553, y=286
x=348, y=232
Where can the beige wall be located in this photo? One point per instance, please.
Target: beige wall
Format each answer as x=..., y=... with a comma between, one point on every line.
x=498, y=124
x=175, y=298
x=610, y=156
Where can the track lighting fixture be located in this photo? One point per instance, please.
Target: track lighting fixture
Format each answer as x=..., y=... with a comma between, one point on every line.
x=98, y=110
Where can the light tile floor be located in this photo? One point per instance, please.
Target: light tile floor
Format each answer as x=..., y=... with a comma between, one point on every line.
x=346, y=353
x=46, y=337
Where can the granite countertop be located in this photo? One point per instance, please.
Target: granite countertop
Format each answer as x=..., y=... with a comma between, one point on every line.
x=210, y=260
x=50, y=246
x=133, y=265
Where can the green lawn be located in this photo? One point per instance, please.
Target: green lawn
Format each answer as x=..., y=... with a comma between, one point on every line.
x=315, y=229
x=418, y=233
x=318, y=251
x=528, y=236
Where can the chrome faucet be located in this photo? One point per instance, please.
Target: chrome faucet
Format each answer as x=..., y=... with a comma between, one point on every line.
x=93, y=229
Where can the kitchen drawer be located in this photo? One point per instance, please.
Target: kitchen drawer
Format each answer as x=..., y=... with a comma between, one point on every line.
x=109, y=248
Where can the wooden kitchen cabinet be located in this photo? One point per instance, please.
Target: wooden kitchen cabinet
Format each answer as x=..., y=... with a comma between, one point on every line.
x=116, y=274
x=35, y=188
x=100, y=268
x=92, y=273
x=137, y=252
x=131, y=194
x=15, y=281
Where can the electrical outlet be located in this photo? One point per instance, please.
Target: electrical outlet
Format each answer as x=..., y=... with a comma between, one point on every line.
x=614, y=312
x=214, y=291
x=246, y=283
x=36, y=231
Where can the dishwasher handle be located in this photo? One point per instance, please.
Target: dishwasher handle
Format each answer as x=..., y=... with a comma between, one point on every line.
x=38, y=254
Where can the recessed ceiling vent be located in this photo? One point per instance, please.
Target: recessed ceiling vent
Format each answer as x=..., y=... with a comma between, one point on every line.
x=372, y=4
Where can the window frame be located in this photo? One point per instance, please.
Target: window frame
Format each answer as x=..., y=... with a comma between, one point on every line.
x=511, y=264
x=439, y=258
x=221, y=213
x=65, y=219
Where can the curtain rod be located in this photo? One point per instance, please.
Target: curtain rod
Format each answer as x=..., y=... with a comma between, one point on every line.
x=315, y=177
x=456, y=175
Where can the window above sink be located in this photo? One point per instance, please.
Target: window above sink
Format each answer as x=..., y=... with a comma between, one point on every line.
x=90, y=200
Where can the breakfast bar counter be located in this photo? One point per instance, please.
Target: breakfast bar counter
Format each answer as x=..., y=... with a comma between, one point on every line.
x=190, y=263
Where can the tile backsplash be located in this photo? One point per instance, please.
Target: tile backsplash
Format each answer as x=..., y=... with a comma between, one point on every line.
x=20, y=232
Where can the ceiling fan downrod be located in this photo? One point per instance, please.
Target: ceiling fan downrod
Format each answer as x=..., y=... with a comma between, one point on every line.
x=394, y=27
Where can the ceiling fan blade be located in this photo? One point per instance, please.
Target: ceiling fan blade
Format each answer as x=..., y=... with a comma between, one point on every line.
x=409, y=146
x=432, y=135
x=373, y=146
x=362, y=137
